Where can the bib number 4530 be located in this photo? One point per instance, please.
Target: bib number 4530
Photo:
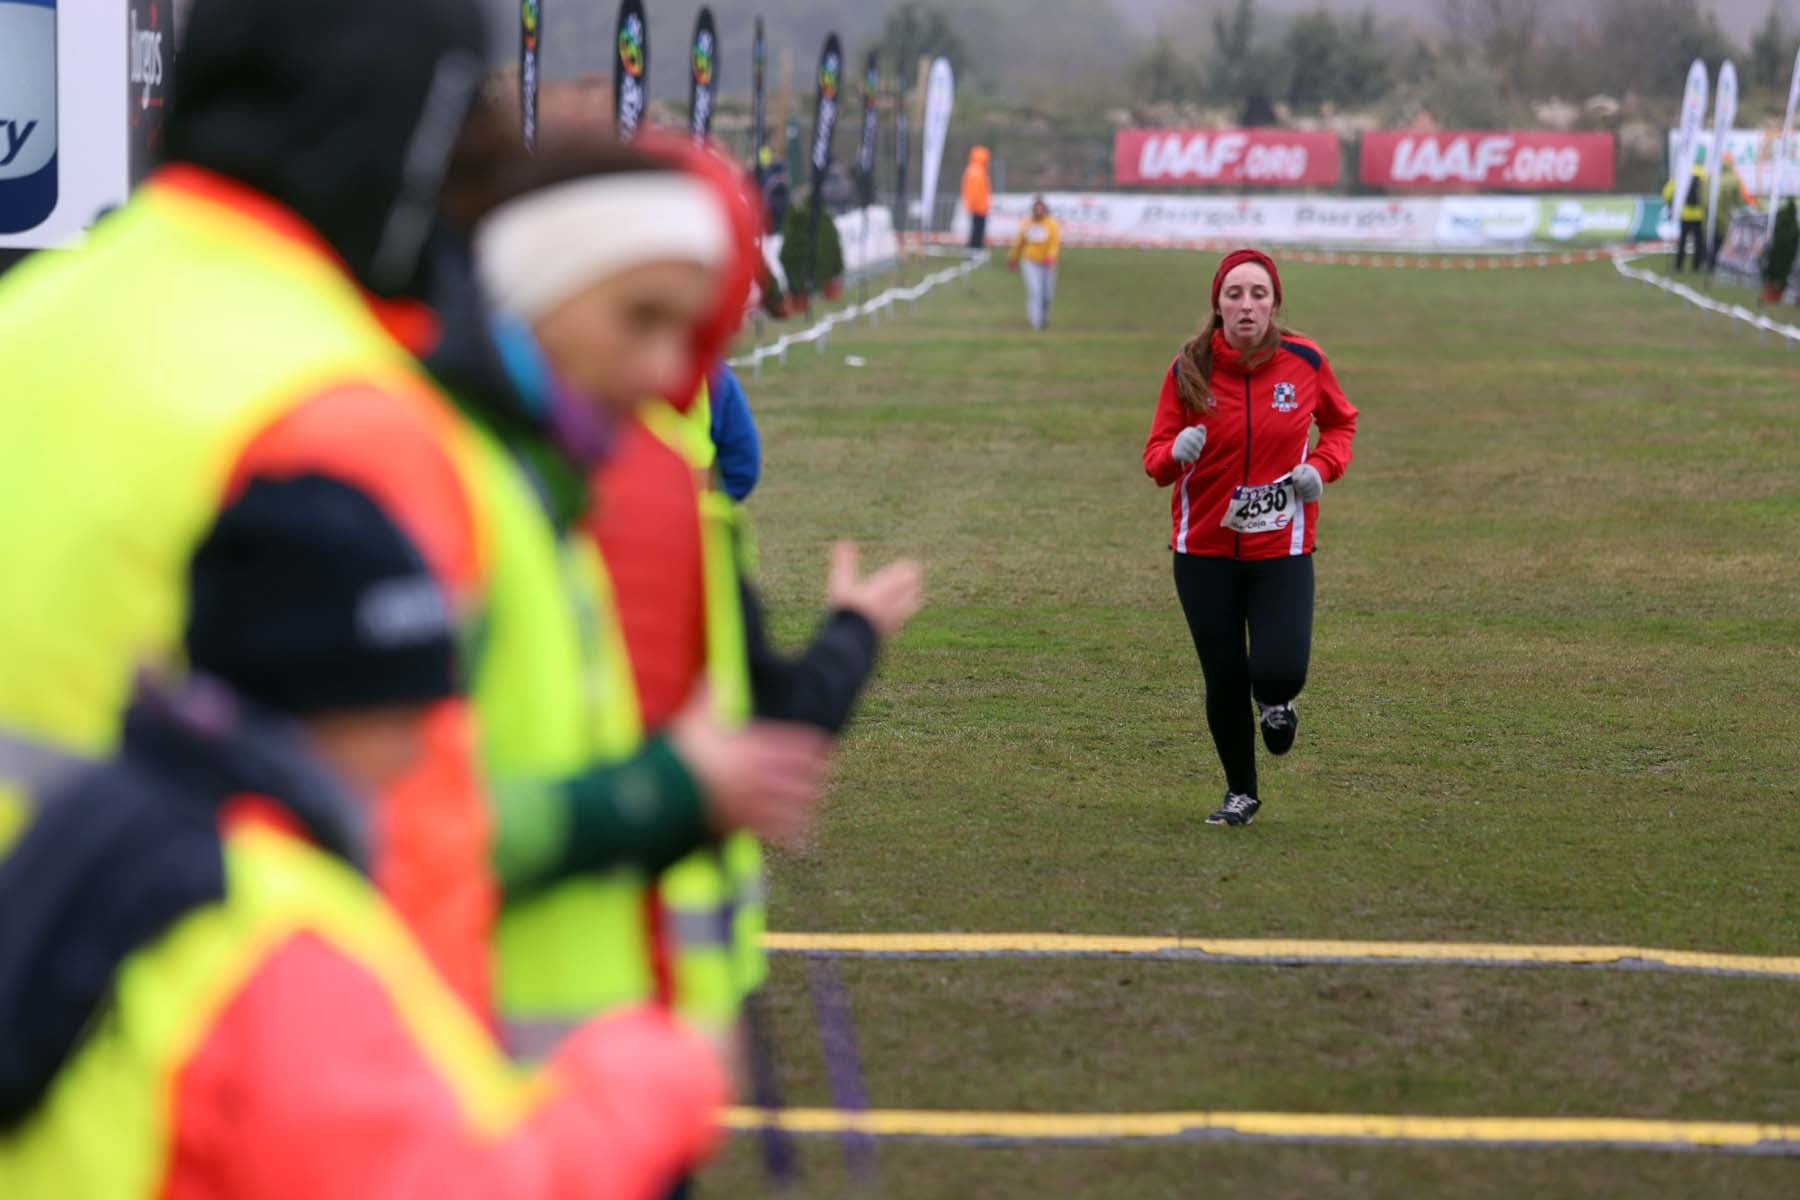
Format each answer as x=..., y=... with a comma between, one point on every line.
x=1261, y=509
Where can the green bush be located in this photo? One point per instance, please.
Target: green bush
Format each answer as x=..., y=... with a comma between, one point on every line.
x=1778, y=255
x=806, y=274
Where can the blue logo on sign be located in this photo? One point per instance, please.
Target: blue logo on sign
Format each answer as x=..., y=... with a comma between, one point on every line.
x=27, y=113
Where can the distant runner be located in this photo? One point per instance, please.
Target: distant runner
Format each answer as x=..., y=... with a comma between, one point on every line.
x=1034, y=254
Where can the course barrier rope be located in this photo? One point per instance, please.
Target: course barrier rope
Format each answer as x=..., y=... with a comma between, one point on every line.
x=1736, y=312
x=1017, y=1128
x=868, y=308
x=1278, y=952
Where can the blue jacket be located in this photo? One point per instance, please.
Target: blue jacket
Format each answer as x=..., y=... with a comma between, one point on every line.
x=734, y=435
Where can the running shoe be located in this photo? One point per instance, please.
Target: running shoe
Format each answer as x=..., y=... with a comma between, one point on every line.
x=1238, y=809
x=1279, y=725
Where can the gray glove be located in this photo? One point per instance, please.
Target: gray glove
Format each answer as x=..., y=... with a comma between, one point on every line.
x=1309, y=485
x=1188, y=444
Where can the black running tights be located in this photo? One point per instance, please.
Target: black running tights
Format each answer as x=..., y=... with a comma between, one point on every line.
x=1271, y=599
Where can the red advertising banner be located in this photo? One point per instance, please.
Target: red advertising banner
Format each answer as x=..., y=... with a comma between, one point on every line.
x=1489, y=159
x=1255, y=157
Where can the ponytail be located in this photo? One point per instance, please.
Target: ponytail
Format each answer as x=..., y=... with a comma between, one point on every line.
x=1193, y=370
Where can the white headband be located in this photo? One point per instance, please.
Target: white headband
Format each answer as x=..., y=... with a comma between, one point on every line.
x=539, y=250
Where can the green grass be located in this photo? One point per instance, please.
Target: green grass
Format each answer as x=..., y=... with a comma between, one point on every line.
x=1557, y=631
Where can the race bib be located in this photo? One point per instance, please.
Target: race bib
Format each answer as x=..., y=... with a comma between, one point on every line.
x=1264, y=508
x=1037, y=235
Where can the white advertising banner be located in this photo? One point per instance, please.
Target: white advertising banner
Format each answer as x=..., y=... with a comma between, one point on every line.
x=940, y=98
x=1417, y=223
x=1098, y=218
x=1784, y=147
x=1724, y=113
x=1681, y=147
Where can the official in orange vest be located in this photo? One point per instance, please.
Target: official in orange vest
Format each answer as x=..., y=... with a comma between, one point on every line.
x=977, y=196
x=202, y=991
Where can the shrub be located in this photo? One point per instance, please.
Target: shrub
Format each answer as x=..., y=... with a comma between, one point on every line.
x=806, y=274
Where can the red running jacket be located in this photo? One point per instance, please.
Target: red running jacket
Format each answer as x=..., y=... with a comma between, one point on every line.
x=1257, y=434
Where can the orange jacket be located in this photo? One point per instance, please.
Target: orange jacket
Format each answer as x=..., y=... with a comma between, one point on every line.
x=977, y=191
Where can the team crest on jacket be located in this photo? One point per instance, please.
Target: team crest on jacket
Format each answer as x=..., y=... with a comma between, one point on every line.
x=1285, y=400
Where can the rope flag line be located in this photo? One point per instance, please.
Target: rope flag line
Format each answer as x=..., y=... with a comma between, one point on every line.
x=1017, y=1128
x=1279, y=952
x=1737, y=312
x=780, y=347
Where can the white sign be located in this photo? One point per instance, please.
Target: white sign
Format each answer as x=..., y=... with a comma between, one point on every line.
x=86, y=130
x=1724, y=113
x=940, y=97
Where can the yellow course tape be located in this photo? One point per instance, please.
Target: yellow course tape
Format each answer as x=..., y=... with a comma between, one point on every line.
x=1721, y=1136
x=1022, y=945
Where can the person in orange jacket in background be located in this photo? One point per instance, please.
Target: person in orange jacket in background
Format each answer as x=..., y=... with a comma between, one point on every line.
x=204, y=994
x=977, y=196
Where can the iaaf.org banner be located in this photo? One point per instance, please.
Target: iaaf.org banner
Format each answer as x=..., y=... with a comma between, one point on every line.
x=1438, y=222
x=1493, y=160
x=1754, y=153
x=1262, y=157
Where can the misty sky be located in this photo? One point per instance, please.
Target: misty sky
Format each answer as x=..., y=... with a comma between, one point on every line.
x=1738, y=17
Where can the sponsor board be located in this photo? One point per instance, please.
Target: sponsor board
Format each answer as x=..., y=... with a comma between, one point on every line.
x=1598, y=220
x=1323, y=220
x=1448, y=222
x=1494, y=160
x=1263, y=157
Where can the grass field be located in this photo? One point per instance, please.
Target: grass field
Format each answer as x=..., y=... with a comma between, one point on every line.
x=1557, y=635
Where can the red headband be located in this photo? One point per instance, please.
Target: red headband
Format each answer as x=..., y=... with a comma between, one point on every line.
x=1238, y=258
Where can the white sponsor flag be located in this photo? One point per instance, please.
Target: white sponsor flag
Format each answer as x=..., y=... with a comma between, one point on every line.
x=1781, y=147
x=1724, y=113
x=940, y=96
x=1693, y=111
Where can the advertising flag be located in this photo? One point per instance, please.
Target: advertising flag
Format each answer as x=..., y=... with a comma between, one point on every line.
x=1724, y=113
x=865, y=154
x=631, y=70
x=759, y=118
x=151, y=50
x=902, y=157
x=1787, y=133
x=825, y=115
x=703, y=75
x=1693, y=111
x=940, y=98
x=531, y=32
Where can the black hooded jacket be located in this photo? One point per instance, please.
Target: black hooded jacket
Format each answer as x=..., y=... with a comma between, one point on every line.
x=124, y=851
x=345, y=111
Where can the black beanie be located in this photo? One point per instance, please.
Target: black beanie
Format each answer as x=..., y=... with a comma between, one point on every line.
x=306, y=598
x=346, y=111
